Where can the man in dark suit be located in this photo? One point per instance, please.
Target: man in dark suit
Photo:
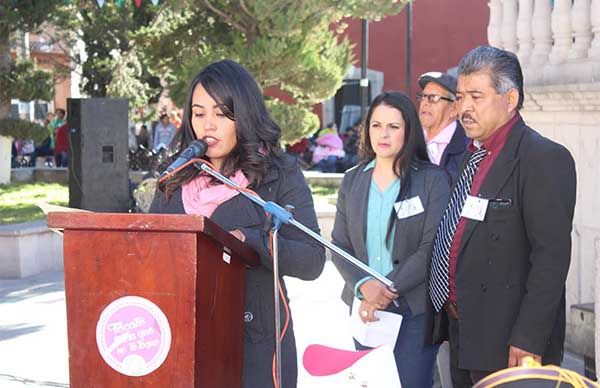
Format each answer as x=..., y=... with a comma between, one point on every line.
x=445, y=137
x=503, y=247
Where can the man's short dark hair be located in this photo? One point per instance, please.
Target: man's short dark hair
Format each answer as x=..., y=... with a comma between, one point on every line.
x=503, y=66
x=61, y=110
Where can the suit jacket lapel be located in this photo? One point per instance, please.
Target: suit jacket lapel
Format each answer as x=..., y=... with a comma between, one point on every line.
x=402, y=232
x=498, y=174
x=458, y=144
x=358, y=226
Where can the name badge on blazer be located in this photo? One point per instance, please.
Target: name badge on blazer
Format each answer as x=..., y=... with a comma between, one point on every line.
x=475, y=208
x=409, y=207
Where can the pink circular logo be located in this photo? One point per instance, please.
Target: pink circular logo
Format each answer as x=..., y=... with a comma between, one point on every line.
x=133, y=336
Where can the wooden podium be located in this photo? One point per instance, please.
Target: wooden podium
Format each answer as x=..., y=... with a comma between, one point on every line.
x=192, y=270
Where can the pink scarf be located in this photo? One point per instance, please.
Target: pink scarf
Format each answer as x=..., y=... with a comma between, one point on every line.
x=199, y=197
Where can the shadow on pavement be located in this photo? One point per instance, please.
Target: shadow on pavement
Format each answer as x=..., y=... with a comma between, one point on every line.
x=12, y=331
x=15, y=290
x=4, y=378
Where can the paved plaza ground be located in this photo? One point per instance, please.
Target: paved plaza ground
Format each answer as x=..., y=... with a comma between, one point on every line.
x=33, y=328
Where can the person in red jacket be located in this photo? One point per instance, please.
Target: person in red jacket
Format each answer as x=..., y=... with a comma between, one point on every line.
x=61, y=146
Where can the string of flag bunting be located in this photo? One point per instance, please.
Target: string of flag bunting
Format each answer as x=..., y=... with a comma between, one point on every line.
x=120, y=3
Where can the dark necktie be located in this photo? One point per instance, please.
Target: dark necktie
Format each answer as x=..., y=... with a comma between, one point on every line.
x=440, y=261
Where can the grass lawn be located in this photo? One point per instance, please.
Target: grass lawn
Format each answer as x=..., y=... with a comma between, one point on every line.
x=324, y=194
x=17, y=200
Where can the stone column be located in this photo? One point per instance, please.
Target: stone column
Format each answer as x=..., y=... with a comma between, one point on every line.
x=524, y=30
x=508, y=30
x=582, y=32
x=540, y=29
x=561, y=31
x=493, y=30
x=597, y=307
x=594, y=51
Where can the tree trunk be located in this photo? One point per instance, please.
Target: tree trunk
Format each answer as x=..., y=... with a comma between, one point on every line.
x=5, y=61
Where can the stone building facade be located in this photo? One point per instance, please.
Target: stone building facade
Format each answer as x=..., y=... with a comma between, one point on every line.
x=558, y=44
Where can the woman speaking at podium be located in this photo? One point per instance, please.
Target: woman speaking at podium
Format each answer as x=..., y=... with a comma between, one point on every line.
x=225, y=108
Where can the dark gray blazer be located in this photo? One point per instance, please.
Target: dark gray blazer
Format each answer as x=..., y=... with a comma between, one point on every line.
x=452, y=157
x=413, y=237
x=511, y=267
x=299, y=256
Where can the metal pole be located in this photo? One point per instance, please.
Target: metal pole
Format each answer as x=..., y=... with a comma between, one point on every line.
x=315, y=236
x=276, y=302
x=408, y=47
x=364, y=58
x=275, y=210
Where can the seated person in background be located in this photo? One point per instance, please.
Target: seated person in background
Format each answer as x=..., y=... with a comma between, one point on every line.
x=143, y=137
x=351, y=140
x=301, y=149
x=46, y=147
x=59, y=119
x=163, y=133
x=61, y=146
x=13, y=154
x=26, y=148
x=329, y=148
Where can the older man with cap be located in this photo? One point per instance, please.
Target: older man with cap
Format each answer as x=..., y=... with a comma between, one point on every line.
x=445, y=137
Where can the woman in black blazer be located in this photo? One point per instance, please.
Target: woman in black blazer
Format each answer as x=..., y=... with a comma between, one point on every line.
x=225, y=108
x=388, y=211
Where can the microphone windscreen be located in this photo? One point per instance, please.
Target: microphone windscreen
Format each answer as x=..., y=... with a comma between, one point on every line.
x=196, y=149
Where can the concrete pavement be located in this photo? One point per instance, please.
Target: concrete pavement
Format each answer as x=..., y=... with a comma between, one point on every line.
x=33, y=332
x=33, y=328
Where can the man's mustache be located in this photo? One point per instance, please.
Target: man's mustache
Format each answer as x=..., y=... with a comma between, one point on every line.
x=467, y=116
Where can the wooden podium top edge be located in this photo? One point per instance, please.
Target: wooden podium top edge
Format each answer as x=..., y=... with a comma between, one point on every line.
x=126, y=221
x=136, y=222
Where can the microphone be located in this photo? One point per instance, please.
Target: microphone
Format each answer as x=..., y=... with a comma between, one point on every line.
x=195, y=150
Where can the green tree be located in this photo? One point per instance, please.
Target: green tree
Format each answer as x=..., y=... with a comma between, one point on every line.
x=109, y=61
x=287, y=44
x=21, y=79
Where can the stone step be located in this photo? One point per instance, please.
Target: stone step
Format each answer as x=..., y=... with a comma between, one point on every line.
x=28, y=249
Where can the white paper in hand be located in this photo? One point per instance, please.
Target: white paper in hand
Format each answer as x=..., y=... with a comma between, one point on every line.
x=372, y=334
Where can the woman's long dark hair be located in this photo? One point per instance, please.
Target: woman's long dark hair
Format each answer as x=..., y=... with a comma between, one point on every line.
x=239, y=98
x=414, y=150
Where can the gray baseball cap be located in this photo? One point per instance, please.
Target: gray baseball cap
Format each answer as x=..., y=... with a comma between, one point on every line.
x=445, y=80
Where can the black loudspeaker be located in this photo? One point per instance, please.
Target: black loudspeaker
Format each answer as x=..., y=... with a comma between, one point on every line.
x=98, y=152
x=348, y=94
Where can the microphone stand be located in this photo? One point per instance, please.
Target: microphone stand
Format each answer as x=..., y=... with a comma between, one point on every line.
x=283, y=216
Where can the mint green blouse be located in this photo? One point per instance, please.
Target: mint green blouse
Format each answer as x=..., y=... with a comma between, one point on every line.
x=379, y=209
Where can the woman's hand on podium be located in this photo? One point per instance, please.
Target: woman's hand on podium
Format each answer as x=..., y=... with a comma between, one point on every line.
x=238, y=234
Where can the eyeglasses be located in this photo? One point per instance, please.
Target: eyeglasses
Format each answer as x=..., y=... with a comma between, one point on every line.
x=432, y=98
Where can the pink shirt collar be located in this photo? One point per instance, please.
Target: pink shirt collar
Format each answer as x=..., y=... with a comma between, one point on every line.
x=437, y=145
x=445, y=134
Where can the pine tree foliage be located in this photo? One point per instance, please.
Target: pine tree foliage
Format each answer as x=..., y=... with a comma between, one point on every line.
x=294, y=46
x=109, y=61
x=286, y=44
x=21, y=79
